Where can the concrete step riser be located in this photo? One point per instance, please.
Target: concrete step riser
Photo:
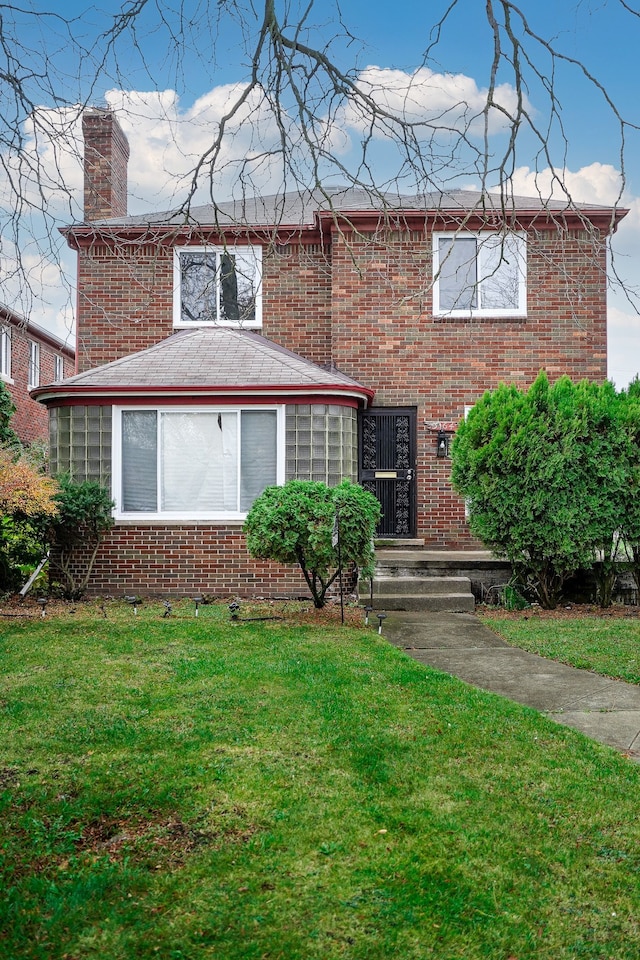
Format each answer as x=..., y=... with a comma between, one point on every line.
x=449, y=604
x=411, y=570
x=426, y=585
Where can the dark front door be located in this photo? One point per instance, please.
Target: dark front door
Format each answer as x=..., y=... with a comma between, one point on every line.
x=387, y=466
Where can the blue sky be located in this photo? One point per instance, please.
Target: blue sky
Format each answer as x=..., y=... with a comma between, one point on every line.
x=168, y=102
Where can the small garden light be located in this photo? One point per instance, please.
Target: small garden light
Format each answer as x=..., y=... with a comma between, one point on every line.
x=134, y=601
x=167, y=608
x=233, y=609
x=43, y=605
x=367, y=611
x=381, y=617
x=197, y=601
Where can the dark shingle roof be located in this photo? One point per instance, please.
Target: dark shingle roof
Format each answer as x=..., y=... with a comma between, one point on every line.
x=300, y=209
x=209, y=358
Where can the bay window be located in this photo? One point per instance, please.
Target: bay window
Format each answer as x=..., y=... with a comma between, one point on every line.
x=195, y=463
x=217, y=285
x=481, y=274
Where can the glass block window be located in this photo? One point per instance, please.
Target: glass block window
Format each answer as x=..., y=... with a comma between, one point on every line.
x=322, y=443
x=80, y=442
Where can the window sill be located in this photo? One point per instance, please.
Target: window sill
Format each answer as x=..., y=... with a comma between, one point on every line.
x=257, y=325
x=480, y=317
x=7, y=379
x=160, y=521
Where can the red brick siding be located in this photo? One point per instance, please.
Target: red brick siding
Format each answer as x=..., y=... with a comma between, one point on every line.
x=371, y=315
x=186, y=561
x=125, y=300
x=106, y=152
x=297, y=301
x=30, y=420
x=384, y=334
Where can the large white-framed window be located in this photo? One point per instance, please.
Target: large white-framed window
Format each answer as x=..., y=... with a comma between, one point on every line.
x=195, y=463
x=5, y=353
x=479, y=274
x=217, y=286
x=34, y=365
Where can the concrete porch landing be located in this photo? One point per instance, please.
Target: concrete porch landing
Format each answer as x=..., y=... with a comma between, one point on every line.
x=419, y=578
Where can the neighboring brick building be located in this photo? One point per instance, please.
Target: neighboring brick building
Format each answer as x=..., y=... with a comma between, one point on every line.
x=423, y=303
x=30, y=356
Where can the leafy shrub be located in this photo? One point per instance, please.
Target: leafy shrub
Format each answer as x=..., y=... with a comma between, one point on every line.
x=295, y=523
x=84, y=517
x=551, y=476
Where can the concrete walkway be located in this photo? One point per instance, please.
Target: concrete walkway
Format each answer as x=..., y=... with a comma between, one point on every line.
x=459, y=644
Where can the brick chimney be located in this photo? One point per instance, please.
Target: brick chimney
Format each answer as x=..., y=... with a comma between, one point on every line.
x=106, y=153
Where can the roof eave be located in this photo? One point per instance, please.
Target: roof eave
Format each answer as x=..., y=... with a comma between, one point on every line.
x=51, y=392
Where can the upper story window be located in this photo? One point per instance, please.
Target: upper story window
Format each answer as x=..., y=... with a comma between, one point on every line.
x=5, y=353
x=58, y=368
x=34, y=364
x=198, y=463
x=217, y=285
x=482, y=274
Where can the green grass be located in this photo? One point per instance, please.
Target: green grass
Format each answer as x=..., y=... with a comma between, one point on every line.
x=183, y=788
x=607, y=645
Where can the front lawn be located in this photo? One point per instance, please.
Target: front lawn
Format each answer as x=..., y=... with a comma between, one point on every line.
x=189, y=788
x=607, y=642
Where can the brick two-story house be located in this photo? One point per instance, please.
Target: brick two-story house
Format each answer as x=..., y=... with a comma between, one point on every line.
x=29, y=356
x=315, y=335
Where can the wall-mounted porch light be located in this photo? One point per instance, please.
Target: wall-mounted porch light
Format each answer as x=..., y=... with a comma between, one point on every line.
x=442, y=449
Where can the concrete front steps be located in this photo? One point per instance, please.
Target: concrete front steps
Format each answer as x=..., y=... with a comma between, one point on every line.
x=419, y=579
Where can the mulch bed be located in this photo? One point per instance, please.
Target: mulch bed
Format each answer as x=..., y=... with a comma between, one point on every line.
x=570, y=611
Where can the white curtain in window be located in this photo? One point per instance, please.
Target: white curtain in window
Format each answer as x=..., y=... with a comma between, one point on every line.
x=139, y=461
x=458, y=281
x=199, y=461
x=259, y=454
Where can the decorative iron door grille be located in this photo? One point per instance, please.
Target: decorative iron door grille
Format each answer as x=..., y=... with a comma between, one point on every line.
x=387, y=442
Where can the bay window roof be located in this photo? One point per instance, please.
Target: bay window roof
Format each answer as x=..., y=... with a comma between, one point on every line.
x=207, y=362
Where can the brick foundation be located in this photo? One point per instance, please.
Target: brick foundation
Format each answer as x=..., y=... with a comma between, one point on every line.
x=186, y=560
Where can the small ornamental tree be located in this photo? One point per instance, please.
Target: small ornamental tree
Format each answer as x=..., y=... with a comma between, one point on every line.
x=547, y=474
x=295, y=524
x=26, y=498
x=84, y=517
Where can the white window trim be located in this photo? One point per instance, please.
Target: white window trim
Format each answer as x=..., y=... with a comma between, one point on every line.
x=519, y=311
x=187, y=516
x=5, y=353
x=34, y=365
x=58, y=368
x=179, y=323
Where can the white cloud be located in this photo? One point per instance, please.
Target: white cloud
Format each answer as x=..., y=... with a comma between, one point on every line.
x=444, y=102
x=168, y=144
x=595, y=183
